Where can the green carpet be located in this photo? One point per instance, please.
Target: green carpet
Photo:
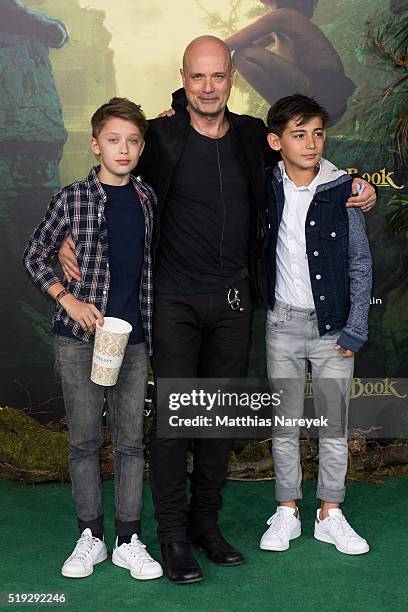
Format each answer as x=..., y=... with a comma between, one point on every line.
x=38, y=532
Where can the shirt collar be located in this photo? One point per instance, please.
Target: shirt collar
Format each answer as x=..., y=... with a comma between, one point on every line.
x=288, y=181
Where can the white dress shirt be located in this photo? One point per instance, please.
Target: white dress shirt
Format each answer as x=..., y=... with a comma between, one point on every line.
x=292, y=269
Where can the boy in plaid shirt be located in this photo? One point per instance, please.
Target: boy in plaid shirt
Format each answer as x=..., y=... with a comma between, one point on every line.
x=109, y=215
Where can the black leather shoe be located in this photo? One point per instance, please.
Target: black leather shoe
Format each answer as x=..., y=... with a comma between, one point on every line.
x=217, y=548
x=179, y=564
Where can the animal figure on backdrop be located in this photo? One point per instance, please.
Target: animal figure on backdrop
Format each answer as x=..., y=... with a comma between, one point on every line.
x=31, y=143
x=303, y=60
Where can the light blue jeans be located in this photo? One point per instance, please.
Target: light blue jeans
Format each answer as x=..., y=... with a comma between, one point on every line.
x=84, y=406
x=292, y=339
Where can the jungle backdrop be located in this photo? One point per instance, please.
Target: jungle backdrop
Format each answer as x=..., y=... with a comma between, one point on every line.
x=61, y=59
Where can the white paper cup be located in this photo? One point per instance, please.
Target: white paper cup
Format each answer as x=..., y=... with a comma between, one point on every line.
x=110, y=344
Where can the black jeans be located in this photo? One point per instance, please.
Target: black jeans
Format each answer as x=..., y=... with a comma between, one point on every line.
x=194, y=336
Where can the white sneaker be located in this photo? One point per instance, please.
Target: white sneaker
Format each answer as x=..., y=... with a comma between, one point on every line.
x=284, y=526
x=135, y=558
x=335, y=530
x=87, y=552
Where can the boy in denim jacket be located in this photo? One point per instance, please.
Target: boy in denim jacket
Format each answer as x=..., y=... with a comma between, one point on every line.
x=318, y=272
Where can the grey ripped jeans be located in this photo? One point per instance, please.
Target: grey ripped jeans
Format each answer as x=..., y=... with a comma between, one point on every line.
x=84, y=406
x=292, y=339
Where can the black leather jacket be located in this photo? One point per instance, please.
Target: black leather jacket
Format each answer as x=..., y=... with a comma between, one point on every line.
x=165, y=141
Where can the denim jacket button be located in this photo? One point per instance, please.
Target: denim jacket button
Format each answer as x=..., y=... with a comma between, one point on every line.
x=328, y=327
x=312, y=223
x=318, y=276
x=316, y=253
x=333, y=234
x=322, y=298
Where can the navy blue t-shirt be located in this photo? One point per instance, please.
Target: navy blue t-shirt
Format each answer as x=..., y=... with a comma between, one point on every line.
x=126, y=233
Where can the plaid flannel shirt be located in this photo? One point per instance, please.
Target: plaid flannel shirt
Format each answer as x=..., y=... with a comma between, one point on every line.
x=79, y=210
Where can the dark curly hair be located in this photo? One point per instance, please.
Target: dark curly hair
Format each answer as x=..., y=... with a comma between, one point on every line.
x=298, y=107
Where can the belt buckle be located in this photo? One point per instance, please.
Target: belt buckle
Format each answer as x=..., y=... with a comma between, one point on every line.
x=234, y=301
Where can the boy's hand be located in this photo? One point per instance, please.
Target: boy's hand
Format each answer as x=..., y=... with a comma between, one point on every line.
x=366, y=196
x=84, y=314
x=68, y=260
x=167, y=113
x=343, y=351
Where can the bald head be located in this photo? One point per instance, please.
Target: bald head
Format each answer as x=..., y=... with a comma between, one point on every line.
x=207, y=46
x=207, y=75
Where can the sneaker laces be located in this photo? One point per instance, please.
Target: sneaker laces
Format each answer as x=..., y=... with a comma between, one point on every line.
x=138, y=550
x=83, y=547
x=342, y=526
x=280, y=521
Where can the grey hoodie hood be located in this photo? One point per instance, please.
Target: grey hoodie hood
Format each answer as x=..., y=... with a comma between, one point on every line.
x=329, y=174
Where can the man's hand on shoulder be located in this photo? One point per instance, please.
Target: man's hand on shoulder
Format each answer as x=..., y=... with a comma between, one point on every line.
x=68, y=260
x=167, y=113
x=365, y=197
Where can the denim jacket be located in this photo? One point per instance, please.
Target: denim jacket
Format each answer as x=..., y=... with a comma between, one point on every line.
x=338, y=254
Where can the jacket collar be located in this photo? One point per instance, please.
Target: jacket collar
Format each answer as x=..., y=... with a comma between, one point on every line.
x=179, y=99
x=330, y=177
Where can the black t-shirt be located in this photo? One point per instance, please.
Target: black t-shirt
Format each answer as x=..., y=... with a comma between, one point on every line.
x=126, y=233
x=205, y=219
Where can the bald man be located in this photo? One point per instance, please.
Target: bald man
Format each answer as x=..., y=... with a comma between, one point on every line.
x=206, y=165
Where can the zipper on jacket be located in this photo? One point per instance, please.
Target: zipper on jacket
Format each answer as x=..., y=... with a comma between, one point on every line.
x=223, y=203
